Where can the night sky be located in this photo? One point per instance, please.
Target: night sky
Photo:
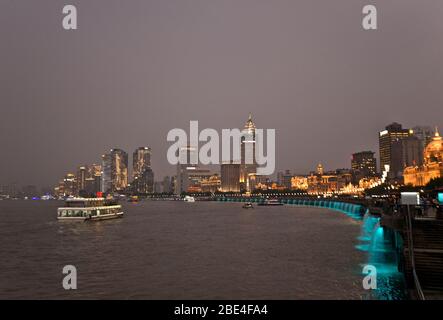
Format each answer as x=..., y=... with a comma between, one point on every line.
x=136, y=69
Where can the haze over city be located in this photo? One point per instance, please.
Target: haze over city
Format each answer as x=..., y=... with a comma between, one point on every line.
x=132, y=72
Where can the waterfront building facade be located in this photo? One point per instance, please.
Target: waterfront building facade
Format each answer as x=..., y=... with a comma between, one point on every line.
x=432, y=167
x=299, y=183
x=211, y=184
x=321, y=182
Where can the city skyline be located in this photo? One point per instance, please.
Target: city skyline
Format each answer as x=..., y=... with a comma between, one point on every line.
x=131, y=171
x=400, y=147
x=324, y=84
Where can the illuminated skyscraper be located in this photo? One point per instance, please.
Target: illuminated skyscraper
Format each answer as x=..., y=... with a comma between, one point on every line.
x=115, y=171
x=390, y=154
x=88, y=179
x=364, y=164
x=230, y=177
x=248, y=167
x=142, y=174
x=82, y=175
x=141, y=160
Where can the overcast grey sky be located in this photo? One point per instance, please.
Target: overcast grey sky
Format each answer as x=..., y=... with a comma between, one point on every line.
x=136, y=69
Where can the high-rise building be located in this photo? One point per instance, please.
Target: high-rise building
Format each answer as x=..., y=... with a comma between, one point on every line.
x=166, y=184
x=284, y=179
x=141, y=160
x=389, y=156
x=115, y=171
x=144, y=183
x=248, y=168
x=82, y=175
x=106, y=185
x=183, y=168
x=424, y=134
x=230, y=177
x=142, y=174
x=364, y=165
x=68, y=186
x=411, y=149
x=88, y=179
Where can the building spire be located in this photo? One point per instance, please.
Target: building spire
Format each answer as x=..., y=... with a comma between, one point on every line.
x=436, y=132
x=250, y=124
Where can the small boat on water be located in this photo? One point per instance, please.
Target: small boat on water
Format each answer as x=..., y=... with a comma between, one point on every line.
x=248, y=205
x=83, y=209
x=189, y=199
x=270, y=202
x=133, y=199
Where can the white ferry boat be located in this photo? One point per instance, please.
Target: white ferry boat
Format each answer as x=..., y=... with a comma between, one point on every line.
x=89, y=209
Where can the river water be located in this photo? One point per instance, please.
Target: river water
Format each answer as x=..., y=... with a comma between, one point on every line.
x=177, y=250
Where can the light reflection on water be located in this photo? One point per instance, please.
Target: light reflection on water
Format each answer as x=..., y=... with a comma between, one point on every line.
x=378, y=243
x=374, y=240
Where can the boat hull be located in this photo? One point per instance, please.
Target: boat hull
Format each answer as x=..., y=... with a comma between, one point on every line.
x=93, y=218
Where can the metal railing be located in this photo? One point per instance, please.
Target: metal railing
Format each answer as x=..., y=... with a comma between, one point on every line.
x=412, y=256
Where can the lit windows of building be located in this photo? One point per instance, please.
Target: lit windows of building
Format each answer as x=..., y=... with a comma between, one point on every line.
x=365, y=163
x=389, y=155
x=211, y=184
x=115, y=171
x=142, y=174
x=230, y=177
x=299, y=183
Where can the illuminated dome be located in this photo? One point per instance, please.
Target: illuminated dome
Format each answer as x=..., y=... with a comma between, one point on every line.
x=434, y=150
